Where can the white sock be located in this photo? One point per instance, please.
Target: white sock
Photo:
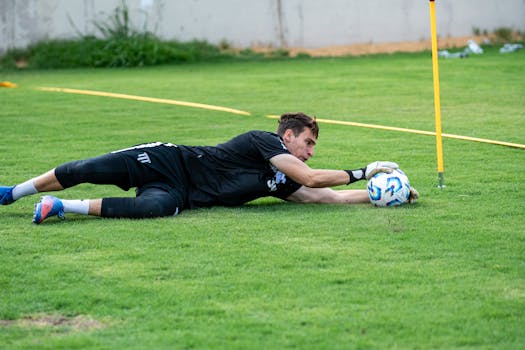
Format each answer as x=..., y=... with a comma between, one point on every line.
x=77, y=206
x=24, y=189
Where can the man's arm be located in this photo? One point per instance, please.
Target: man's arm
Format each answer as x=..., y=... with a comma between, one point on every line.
x=301, y=173
x=328, y=196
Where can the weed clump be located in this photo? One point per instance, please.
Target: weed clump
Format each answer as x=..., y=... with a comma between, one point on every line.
x=118, y=45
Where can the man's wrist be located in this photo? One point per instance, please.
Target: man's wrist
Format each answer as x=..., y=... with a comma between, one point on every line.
x=355, y=175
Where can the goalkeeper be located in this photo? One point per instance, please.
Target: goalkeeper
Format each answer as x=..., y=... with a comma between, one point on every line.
x=169, y=178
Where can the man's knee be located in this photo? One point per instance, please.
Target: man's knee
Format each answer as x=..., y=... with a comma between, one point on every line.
x=71, y=173
x=155, y=206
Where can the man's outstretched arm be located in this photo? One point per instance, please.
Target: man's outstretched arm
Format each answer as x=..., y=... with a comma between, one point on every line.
x=328, y=196
x=301, y=173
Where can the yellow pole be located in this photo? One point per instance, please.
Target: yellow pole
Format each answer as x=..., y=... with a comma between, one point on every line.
x=437, y=105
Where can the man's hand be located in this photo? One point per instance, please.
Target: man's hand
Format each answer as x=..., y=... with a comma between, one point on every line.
x=414, y=194
x=379, y=167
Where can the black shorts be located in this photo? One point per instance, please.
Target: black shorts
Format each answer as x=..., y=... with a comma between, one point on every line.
x=154, y=162
x=157, y=165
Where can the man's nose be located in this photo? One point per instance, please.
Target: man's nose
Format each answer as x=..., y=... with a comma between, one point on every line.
x=311, y=152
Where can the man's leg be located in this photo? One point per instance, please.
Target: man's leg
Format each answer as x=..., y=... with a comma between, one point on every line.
x=149, y=203
x=108, y=169
x=47, y=182
x=52, y=206
x=42, y=183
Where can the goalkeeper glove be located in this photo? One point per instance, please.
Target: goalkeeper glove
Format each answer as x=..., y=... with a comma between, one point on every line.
x=370, y=170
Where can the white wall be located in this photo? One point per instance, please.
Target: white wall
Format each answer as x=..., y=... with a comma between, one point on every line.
x=275, y=23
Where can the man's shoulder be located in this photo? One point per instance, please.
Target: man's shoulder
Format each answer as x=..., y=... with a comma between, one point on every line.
x=261, y=133
x=255, y=137
x=254, y=143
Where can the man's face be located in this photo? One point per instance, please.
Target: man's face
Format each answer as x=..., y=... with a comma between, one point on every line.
x=302, y=145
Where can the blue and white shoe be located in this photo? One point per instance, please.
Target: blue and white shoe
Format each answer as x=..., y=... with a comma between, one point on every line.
x=6, y=195
x=47, y=207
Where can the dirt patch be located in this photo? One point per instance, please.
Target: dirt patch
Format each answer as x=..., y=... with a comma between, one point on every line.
x=375, y=48
x=79, y=323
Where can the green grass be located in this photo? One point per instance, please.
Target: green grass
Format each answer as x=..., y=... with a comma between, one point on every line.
x=448, y=272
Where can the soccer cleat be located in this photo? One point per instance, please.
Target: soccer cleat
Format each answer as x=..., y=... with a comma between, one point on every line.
x=6, y=195
x=47, y=207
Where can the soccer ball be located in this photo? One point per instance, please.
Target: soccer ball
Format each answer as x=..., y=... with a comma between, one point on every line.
x=386, y=190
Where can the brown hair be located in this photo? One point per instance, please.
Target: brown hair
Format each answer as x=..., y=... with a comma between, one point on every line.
x=297, y=122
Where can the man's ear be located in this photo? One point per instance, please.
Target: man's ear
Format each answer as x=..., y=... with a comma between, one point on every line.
x=287, y=136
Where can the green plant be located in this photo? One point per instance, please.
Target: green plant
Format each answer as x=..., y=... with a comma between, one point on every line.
x=14, y=58
x=503, y=35
x=119, y=45
x=118, y=25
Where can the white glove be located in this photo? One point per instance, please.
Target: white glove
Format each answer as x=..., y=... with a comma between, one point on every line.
x=379, y=167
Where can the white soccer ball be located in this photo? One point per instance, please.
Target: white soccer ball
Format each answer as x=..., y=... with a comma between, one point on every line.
x=386, y=190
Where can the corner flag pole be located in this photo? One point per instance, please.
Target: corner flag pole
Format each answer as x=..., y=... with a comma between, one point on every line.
x=437, y=105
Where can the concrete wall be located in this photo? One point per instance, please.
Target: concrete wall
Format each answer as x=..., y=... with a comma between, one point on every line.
x=273, y=23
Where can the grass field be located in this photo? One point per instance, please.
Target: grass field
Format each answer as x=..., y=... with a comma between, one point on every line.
x=447, y=273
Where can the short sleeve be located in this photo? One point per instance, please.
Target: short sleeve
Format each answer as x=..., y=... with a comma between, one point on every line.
x=268, y=144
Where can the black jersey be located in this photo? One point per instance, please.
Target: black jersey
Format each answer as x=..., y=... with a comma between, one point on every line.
x=237, y=171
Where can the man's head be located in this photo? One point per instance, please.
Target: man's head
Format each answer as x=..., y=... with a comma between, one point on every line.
x=299, y=133
x=297, y=122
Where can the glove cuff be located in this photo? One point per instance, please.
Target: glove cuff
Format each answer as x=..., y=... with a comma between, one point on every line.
x=356, y=175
